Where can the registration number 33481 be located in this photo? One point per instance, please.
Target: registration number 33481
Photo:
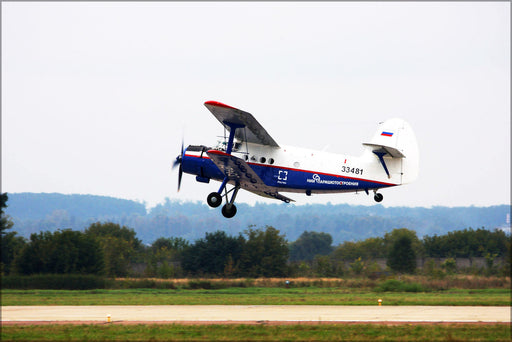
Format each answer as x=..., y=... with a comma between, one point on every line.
x=355, y=170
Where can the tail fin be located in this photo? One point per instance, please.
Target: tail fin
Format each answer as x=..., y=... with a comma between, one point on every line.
x=395, y=138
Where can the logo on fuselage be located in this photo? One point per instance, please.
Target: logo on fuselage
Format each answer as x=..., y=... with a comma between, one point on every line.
x=318, y=180
x=282, y=177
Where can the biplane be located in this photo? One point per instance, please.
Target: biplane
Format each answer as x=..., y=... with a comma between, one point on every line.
x=249, y=158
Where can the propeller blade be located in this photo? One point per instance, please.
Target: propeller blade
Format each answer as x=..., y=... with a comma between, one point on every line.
x=177, y=162
x=180, y=157
x=180, y=174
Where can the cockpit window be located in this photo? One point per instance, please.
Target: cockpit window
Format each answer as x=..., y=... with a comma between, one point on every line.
x=222, y=145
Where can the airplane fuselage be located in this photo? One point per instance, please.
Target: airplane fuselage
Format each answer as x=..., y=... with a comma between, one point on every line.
x=299, y=170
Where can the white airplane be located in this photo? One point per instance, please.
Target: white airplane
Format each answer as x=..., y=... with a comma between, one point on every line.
x=251, y=159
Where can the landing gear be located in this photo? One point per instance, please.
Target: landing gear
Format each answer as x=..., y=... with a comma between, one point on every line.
x=228, y=210
x=378, y=197
x=214, y=199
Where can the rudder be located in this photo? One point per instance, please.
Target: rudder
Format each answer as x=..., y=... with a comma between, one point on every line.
x=395, y=138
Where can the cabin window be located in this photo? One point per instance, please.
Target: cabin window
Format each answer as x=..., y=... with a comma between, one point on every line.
x=271, y=161
x=296, y=164
x=246, y=157
x=253, y=158
x=263, y=160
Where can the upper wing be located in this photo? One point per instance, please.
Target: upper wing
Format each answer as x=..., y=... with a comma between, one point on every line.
x=253, y=132
x=236, y=169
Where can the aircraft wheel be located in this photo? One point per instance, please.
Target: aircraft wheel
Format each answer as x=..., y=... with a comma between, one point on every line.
x=378, y=197
x=229, y=210
x=214, y=200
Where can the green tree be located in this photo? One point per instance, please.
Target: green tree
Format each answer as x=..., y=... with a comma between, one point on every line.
x=11, y=245
x=99, y=230
x=396, y=234
x=373, y=248
x=164, y=255
x=449, y=265
x=5, y=221
x=265, y=253
x=169, y=244
x=402, y=257
x=120, y=247
x=466, y=243
x=357, y=266
x=489, y=259
x=310, y=244
x=324, y=266
x=60, y=252
x=212, y=254
x=370, y=248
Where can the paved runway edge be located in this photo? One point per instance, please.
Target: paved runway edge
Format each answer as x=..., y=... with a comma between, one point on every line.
x=25, y=323
x=255, y=313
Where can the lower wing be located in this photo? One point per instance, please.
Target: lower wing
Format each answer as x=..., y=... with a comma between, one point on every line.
x=238, y=171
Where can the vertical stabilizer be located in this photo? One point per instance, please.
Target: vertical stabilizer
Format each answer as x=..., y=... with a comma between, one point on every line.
x=396, y=139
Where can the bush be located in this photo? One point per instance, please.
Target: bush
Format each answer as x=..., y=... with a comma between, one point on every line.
x=449, y=265
x=207, y=285
x=53, y=282
x=393, y=285
x=137, y=284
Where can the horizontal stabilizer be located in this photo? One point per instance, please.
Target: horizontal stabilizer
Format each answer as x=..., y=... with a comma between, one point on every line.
x=392, y=151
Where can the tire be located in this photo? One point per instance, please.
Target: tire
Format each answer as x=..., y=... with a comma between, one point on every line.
x=214, y=200
x=229, y=213
x=378, y=197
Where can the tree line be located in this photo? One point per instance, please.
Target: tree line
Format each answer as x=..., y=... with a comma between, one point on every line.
x=113, y=250
x=33, y=213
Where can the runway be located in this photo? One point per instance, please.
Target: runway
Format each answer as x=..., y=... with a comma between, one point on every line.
x=254, y=313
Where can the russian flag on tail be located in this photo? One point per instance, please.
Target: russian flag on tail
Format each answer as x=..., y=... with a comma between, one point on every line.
x=387, y=134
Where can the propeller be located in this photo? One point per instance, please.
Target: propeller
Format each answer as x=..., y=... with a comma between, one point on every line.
x=177, y=162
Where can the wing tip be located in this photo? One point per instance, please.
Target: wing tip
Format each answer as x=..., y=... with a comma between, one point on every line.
x=217, y=104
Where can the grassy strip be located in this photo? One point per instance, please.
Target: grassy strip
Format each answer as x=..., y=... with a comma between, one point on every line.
x=254, y=296
x=405, y=283
x=414, y=282
x=323, y=332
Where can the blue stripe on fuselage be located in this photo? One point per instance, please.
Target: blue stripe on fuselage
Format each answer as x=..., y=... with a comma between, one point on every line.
x=283, y=177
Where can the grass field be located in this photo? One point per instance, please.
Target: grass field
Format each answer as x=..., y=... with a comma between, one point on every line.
x=315, y=332
x=480, y=291
x=255, y=296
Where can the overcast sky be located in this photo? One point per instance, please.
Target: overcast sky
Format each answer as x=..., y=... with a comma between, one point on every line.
x=97, y=96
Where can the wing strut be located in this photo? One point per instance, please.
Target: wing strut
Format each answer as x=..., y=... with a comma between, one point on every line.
x=233, y=127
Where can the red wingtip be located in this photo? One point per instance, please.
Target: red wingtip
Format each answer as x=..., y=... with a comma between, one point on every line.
x=218, y=104
x=220, y=153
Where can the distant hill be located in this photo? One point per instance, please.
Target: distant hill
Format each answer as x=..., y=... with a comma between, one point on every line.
x=36, y=212
x=39, y=206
